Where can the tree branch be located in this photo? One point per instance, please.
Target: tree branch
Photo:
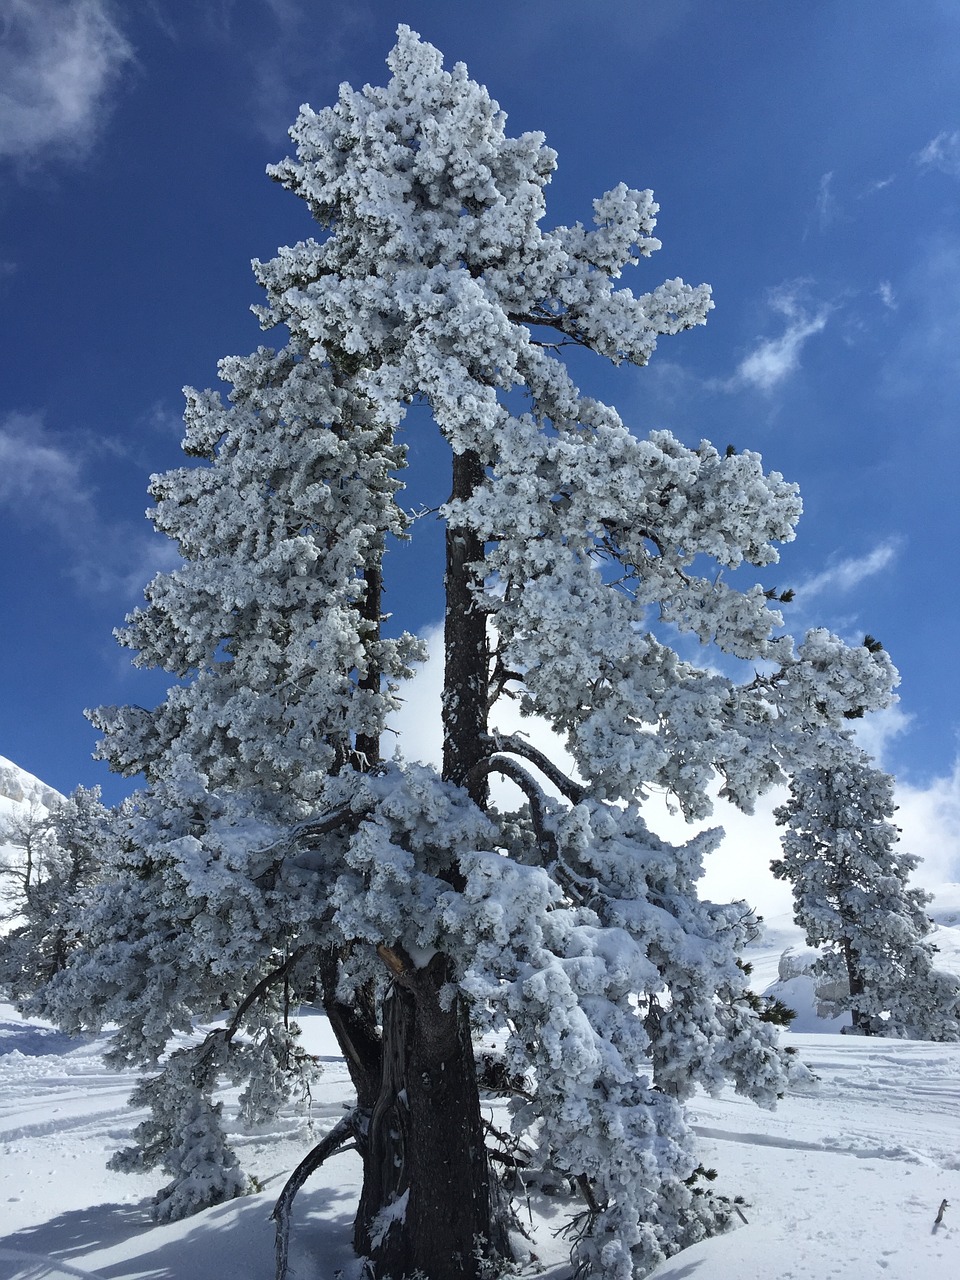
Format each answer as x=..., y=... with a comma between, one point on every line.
x=530, y=788
x=573, y=791
x=265, y=983
x=312, y=829
x=338, y=1137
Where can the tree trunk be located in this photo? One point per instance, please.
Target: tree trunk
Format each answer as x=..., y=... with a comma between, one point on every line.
x=465, y=671
x=428, y=1205
x=368, y=744
x=861, y=1022
x=355, y=1027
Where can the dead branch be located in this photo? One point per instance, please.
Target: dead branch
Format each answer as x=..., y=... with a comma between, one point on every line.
x=338, y=1138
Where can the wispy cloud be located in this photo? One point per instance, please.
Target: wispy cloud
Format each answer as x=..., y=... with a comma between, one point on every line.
x=879, y=184
x=59, y=60
x=943, y=153
x=43, y=487
x=827, y=208
x=39, y=479
x=845, y=574
x=925, y=358
x=886, y=295
x=774, y=359
x=289, y=63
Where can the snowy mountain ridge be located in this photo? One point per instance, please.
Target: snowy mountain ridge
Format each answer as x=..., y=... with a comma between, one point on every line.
x=21, y=788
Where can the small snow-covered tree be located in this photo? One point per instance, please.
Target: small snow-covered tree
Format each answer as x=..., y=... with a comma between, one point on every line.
x=276, y=856
x=27, y=836
x=853, y=900
x=60, y=861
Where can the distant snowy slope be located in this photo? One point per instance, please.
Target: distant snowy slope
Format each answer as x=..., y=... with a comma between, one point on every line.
x=21, y=789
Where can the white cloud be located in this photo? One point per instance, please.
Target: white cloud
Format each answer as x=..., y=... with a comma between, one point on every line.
x=43, y=487
x=929, y=819
x=943, y=153
x=40, y=479
x=417, y=725
x=775, y=359
x=827, y=209
x=58, y=61
x=846, y=574
x=876, y=731
x=887, y=296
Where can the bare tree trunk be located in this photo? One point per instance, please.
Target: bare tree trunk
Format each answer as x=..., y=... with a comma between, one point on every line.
x=355, y=1027
x=428, y=1204
x=465, y=645
x=368, y=744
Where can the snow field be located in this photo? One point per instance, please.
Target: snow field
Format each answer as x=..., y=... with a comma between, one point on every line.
x=844, y=1181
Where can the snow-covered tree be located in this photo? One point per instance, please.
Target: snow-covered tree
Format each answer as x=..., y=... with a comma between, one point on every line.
x=276, y=856
x=852, y=898
x=26, y=836
x=60, y=862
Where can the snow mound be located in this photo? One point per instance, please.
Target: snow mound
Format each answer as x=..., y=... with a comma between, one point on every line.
x=796, y=962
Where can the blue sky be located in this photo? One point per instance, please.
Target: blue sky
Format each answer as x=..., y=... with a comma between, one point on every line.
x=806, y=158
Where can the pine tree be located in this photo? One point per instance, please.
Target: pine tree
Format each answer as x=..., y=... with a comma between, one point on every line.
x=853, y=900
x=275, y=855
x=60, y=862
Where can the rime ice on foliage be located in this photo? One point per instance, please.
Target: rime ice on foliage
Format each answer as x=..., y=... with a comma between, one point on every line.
x=184, y=1135
x=272, y=843
x=851, y=896
x=63, y=852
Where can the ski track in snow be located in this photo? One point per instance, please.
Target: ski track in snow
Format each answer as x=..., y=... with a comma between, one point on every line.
x=842, y=1181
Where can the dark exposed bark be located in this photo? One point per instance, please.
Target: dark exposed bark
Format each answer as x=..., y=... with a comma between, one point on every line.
x=355, y=1026
x=427, y=1203
x=861, y=1021
x=465, y=644
x=511, y=743
x=535, y=798
x=368, y=744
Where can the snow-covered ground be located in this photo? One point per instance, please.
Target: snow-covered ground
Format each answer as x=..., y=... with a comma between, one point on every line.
x=844, y=1181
